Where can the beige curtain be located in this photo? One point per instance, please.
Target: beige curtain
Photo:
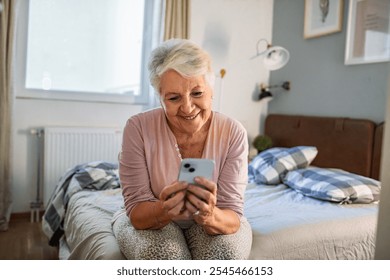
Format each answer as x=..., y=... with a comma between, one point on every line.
x=177, y=19
x=6, y=38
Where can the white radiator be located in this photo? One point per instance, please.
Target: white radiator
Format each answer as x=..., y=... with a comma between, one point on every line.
x=66, y=147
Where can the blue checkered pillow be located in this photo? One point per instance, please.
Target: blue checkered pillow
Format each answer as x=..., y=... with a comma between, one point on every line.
x=270, y=166
x=333, y=185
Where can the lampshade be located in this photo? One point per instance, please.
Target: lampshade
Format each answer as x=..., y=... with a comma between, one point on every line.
x=275, y=58
x=265, y=95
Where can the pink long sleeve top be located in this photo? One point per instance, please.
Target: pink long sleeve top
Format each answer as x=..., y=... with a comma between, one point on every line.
x=149, y=159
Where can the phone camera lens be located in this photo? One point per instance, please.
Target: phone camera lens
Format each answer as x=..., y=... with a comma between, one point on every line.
x=187, y=165
x=191, y=169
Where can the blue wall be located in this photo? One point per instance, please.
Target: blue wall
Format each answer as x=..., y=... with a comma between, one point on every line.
x=321, y=84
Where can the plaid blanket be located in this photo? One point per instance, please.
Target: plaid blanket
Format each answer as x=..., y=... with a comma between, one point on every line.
x=97, y=175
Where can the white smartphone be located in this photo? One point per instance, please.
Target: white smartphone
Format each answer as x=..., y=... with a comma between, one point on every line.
x=195, y=167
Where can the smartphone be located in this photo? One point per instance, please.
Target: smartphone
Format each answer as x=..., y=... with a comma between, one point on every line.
x=195, y=167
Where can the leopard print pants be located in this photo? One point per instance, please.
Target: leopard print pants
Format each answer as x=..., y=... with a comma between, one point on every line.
x=174, y=243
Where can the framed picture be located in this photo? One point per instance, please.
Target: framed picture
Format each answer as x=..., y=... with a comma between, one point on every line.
x=322, y=17
x=368, y=33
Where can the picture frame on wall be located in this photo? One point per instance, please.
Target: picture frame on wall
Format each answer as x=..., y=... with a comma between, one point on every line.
x=322, y=17
x=368, y=32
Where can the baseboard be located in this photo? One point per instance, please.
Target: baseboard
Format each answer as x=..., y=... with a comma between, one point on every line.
x=23, y=216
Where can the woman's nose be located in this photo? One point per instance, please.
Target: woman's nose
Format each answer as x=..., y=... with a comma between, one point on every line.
x=187, y=106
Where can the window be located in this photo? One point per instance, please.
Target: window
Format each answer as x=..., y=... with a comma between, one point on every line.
x=90, y=50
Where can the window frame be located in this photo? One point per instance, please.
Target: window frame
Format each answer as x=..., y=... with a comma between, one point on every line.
x=20, y=60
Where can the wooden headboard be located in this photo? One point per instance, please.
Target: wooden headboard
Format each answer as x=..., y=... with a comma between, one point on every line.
x=350, y=144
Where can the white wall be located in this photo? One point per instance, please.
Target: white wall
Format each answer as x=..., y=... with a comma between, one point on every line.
x=228, y=29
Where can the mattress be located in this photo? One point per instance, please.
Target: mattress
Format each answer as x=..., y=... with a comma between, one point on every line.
x=286, y=225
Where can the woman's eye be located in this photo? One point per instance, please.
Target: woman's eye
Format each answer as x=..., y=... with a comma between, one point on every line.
x=173, y=98
x=197, y=93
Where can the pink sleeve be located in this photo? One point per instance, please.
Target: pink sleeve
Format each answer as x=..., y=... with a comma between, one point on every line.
x=233, y=176
x=133, y=171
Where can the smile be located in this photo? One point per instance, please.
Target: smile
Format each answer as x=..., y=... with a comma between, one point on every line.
x=190, y=118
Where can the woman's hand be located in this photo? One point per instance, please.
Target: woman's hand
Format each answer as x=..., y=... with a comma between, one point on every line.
x=181, y=201
x=172, y=198
x=201, y=201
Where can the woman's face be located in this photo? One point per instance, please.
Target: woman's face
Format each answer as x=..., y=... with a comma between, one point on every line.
x=186, y=101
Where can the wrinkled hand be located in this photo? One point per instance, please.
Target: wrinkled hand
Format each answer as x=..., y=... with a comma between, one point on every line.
x=202, y=199
x=172, y=198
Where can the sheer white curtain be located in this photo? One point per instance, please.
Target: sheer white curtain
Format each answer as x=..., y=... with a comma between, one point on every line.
x=177, y=19
x=157, y=8
x=7, y=17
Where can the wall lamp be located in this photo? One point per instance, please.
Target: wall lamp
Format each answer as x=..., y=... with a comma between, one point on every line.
x=274, y=57
x=265, y=94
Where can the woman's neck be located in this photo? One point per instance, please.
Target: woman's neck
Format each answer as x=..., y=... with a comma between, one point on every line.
x=192, y=145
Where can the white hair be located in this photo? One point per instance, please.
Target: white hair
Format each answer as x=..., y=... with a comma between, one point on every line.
x=183, y=56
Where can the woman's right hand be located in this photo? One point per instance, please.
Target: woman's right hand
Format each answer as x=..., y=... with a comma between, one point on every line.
x=172, y=198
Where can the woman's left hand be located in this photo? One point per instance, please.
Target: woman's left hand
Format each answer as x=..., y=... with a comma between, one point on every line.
x=201, y=200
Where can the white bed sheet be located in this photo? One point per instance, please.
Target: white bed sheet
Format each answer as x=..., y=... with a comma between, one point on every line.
x=289, y=225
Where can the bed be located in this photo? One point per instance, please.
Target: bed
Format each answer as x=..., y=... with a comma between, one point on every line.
x=287, y=223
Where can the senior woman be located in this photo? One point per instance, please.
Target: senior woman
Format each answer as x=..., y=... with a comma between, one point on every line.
x=165, y=218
